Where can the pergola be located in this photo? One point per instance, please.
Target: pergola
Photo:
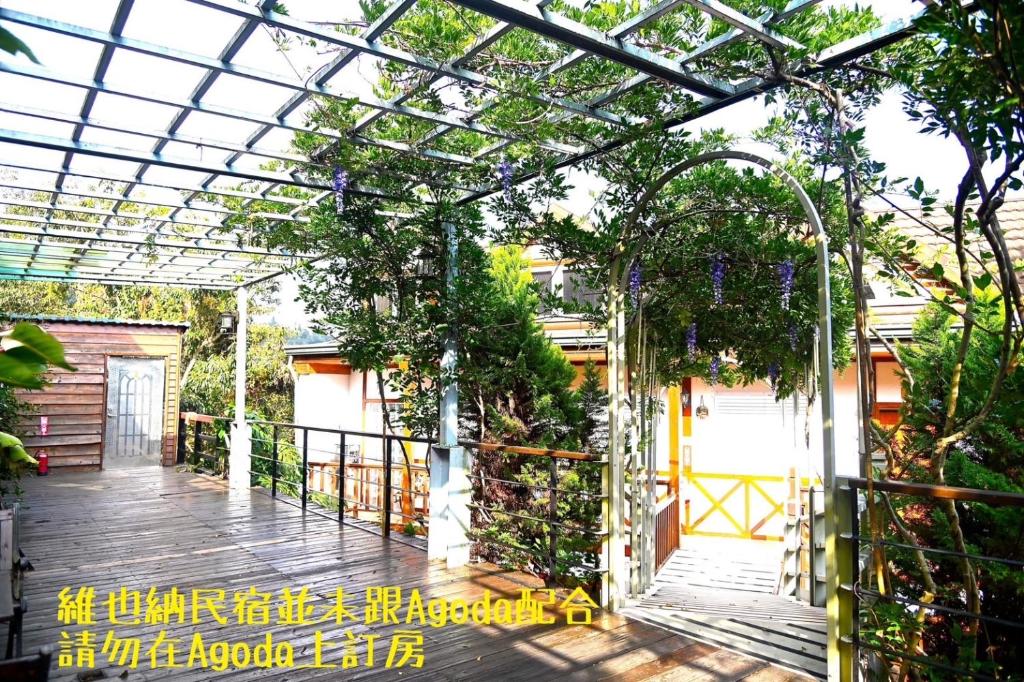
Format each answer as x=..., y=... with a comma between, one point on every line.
x=123, y=177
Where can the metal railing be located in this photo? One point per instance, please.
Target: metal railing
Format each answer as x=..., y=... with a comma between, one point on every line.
x=532, y=508
x=359, y=475
x=202, y=442
x=540, y=509
x=930, y=621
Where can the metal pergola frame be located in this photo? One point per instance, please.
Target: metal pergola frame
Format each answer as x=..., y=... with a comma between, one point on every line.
x=134, y=227
x=187, y=239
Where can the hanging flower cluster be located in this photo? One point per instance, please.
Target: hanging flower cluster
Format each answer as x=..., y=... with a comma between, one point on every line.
x=793, y=337
x=634, y=284
x=505, y=175
x=786, y=271
x=691, y=341
x=773, y=375
x=340, y=185
x=713, y=370
x=718, y=277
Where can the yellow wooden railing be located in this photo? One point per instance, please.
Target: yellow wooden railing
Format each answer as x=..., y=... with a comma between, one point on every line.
x=748, y=503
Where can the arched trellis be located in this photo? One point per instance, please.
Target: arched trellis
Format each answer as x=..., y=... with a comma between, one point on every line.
x=627, y=248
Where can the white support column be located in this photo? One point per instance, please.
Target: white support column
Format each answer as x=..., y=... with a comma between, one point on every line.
x=450, y=485
x=612, y=474
x=239, y=456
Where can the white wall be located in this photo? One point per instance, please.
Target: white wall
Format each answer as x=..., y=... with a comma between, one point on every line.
x=333, y=401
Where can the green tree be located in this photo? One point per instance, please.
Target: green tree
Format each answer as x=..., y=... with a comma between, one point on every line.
x=519, y=380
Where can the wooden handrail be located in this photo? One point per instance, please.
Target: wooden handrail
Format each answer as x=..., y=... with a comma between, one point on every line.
x=942, y=492
x=533, y=452
x=192, y=417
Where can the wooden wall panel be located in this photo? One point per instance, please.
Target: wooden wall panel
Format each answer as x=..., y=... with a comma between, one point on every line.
x=74, y=402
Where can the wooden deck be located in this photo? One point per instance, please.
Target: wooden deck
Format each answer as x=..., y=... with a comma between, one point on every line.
x=157, y=528
x=720, y=591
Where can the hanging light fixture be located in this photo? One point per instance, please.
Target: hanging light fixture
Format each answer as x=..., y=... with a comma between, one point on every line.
x=702, y=409
x=226, y=323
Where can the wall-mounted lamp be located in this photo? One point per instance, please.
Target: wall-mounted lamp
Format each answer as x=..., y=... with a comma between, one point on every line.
x=702, y=409
x=226, y=323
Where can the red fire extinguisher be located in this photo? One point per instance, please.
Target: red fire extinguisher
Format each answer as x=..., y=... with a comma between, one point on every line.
x=44, y=462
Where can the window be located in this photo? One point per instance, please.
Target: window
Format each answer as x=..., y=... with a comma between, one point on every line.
x=543, y=281
x=576, y=289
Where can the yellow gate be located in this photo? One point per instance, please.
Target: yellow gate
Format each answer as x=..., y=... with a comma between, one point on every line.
x=748, y=506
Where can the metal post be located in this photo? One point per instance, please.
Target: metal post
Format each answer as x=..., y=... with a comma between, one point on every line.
x=197, y=441
x=451, y=491
x=273, y=463
x=182, y=440
x=241, y=448
x=848, y=568
x=612, y=478
x=552, y=519
x=341, y=479
x=636, y=474
x=305, y=465
x=812, y=599
x=386, y=502
x=437, y=525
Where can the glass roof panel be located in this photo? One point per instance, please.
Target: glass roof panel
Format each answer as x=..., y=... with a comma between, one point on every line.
x=182, y=114
x=22, y=91
x=164, y=77
x=131, y=112
x=181, y=26
x=56, y=52
x=95, y=14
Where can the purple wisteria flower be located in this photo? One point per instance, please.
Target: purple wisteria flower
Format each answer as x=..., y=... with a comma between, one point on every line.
x=773, y=375
x=505, y=175
x=634, y=284
x=786, y=271
x=713, y=370
x=340, y=185
x=718, y=277
x=691, y=341
x=794, y=339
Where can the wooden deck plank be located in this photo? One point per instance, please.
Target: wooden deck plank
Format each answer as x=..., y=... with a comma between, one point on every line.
x=157, y=528
x=720, y=592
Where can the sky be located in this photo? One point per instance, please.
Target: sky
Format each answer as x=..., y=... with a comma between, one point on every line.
x=192, y=28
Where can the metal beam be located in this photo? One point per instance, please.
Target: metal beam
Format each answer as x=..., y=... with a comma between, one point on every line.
x=122, y=154
x=221, y=66
x=564, y=30
x=165, y=262
x=109, y=281
x=620, y=89
x=625, y=28
x=226, y=234
x=191, y=243
x=180, y=187
x=42, y=73
x=378, y=49
x=752, y=27
x=834, y=56
x=492, y=35
x=25, y=189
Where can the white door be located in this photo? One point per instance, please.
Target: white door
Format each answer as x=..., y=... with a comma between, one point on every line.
x=135, y=412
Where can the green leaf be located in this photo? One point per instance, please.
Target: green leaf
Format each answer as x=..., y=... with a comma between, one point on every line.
x=12, y=44
x=21, y=368
x=46, y=347
x=983, y=281
x=14, y=451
